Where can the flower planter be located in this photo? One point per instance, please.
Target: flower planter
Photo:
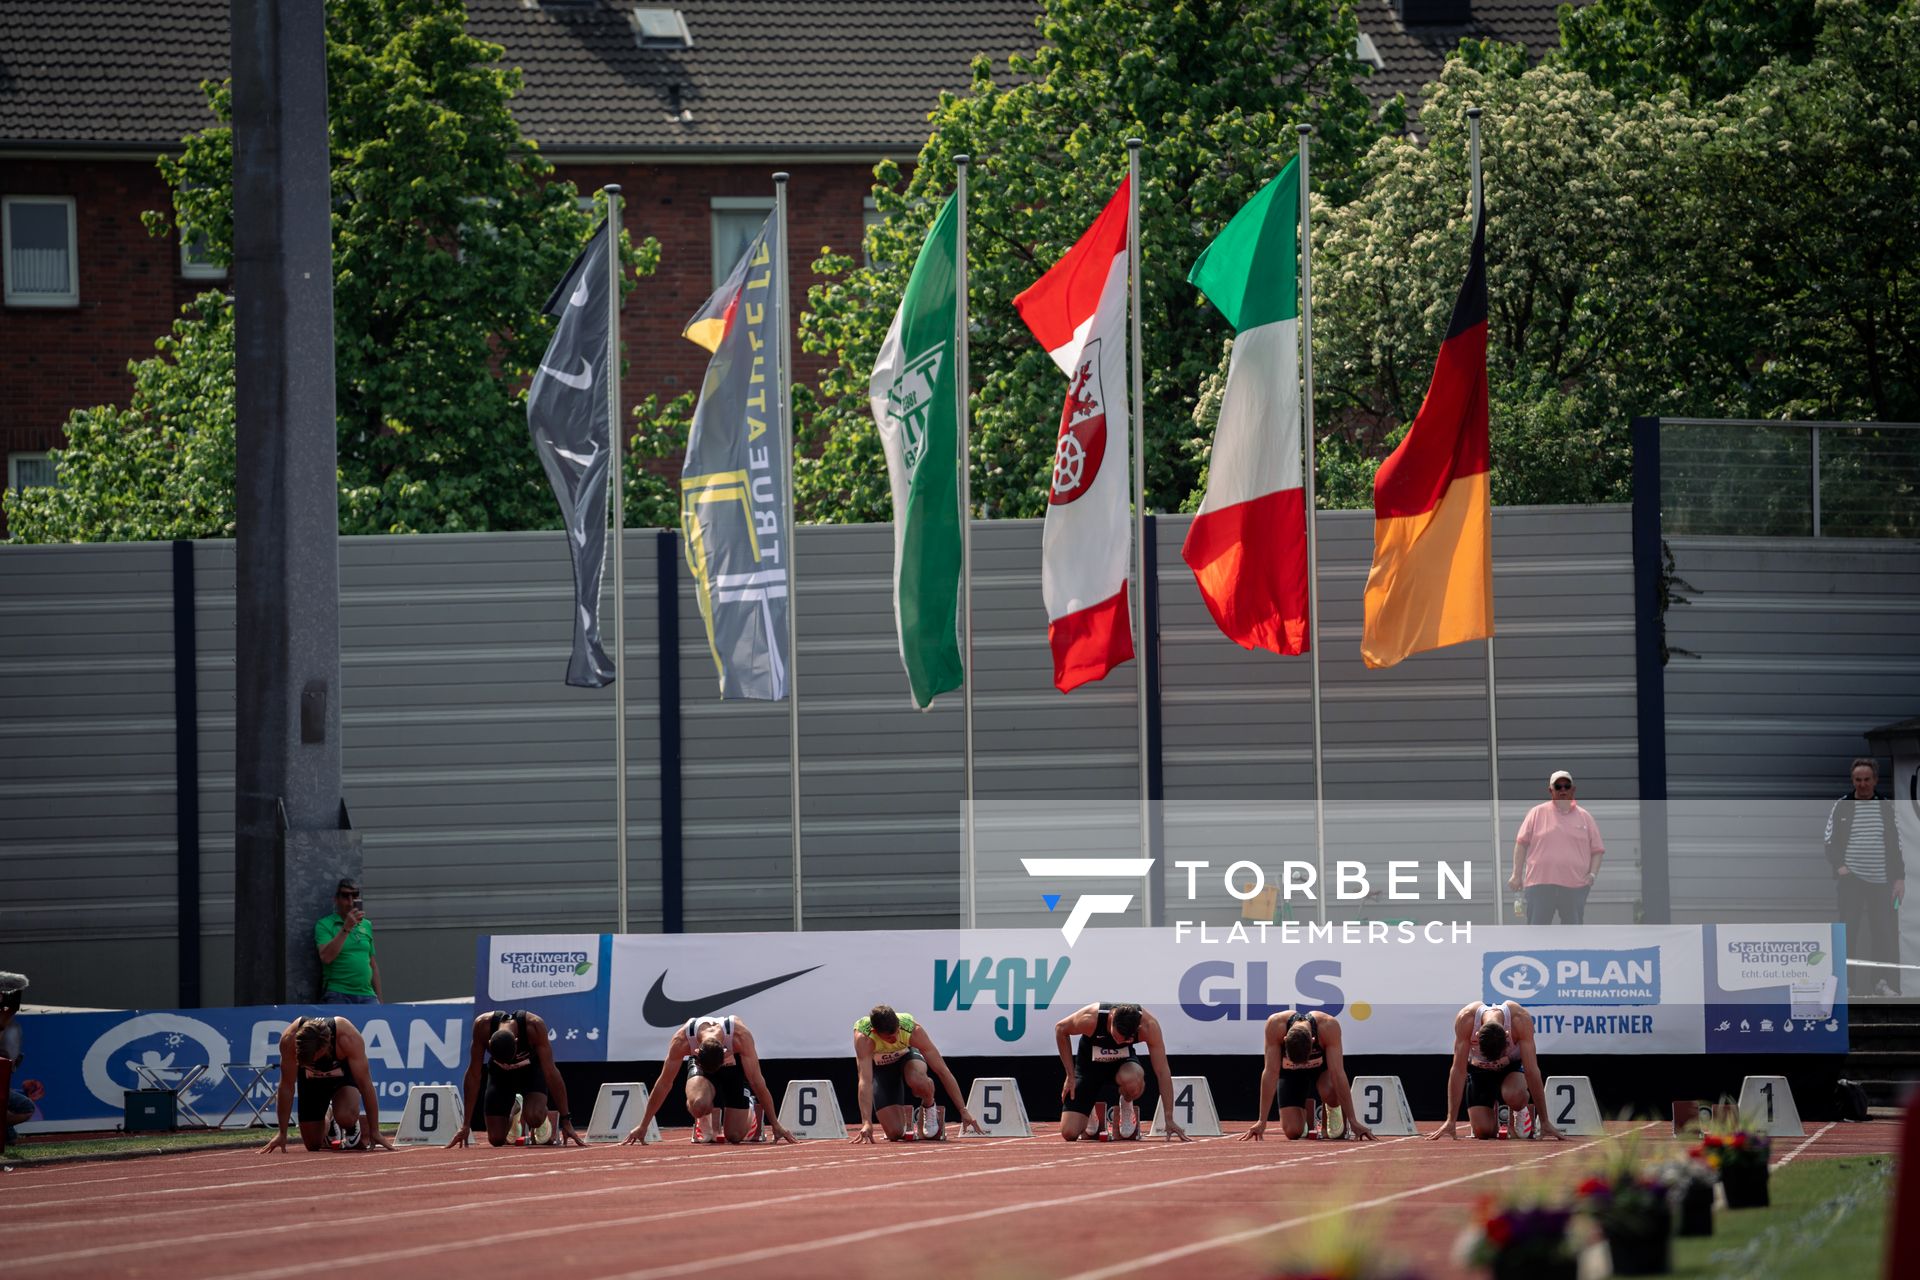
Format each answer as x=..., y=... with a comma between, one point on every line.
x=1693, y=1209
x=1647, y=1250
x=1746, y=1188
x=1515, y=1266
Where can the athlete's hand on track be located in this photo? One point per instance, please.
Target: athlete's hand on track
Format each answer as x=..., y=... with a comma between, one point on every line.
x=968, y=1122
x=636, y=1136
x=379, y=1140
x=1548, y=1131
x=1361, y=1133
x=781, y=1131
x=276, y=1143
x=1447, y=1130
x=1256, y=1134
x=567, y=1131
x=1175, y=1131
x=459, y=1139
x=863, y=1134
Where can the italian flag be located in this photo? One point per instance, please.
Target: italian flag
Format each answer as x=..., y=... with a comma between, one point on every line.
x=1078, y=311
x=913, y=398
x=1432, y=578
x=1248, y=545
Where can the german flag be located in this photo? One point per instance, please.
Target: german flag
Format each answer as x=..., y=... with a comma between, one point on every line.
x=1432, y=578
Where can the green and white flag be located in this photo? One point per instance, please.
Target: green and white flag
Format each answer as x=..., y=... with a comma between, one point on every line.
x=913, y=399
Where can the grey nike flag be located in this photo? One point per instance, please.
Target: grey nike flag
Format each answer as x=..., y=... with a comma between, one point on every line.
x=733, y=486
x=567, y=414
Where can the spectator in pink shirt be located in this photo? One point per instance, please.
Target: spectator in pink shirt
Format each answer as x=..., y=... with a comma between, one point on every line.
x=1556, y=856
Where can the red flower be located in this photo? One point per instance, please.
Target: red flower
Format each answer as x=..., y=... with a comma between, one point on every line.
x=1697, y=1152
x=1740, y=1140
x=1711, y=1141
x=1595, y=1186
x=1499, y=1230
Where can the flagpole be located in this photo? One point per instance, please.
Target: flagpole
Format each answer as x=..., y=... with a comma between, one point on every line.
x=1305, y=131
x=619, y=560
x=793, y=541
x=1139, y=513
x=1493, y=713
x=969, y=863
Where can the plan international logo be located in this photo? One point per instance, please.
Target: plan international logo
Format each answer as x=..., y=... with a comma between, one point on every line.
x=1573, y=977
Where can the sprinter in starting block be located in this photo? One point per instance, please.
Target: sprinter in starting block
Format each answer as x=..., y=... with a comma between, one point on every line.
x=1103, y=1070
x=894, y=1054
x=1304, y=1061
x=516, y=1053
x=1495, y=1065
x=723, y=1083
x=339, y=1107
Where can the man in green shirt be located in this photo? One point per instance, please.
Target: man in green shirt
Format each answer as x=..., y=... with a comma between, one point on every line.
x=349, y=973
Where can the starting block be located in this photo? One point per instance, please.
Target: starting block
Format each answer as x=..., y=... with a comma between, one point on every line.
x=994, y=1101
x=1573, y=1108
x=810, y=1110
x=1769, y=1100
x=1382, y=1104
x=1193, y=1103
x=617, y=1104
x=431, y=1118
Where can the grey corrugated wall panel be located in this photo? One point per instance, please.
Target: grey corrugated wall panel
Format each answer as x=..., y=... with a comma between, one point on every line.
x=483, y=785
x=1787, y=650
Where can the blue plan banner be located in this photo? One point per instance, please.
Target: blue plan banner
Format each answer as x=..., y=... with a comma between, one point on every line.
x=80, y=1065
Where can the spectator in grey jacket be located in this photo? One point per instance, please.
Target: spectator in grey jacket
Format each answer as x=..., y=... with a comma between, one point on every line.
x=1863, y=848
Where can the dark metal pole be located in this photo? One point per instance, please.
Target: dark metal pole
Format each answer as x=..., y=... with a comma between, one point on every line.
x=1649, y=673
x=672, y=907
x=288, y=807
x=186, y=776
x=1156, y=771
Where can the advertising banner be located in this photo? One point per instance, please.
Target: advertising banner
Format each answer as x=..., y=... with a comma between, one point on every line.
x=1396, y=988
x=1776, y=988
x=82, y=1064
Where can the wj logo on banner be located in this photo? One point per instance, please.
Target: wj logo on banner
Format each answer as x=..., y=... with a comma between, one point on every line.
x=1013, y=983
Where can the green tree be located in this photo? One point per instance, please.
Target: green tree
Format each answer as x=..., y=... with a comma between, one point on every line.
x=1215, y=90
x=1708, y=47
x=449, y=232
x=162, y=468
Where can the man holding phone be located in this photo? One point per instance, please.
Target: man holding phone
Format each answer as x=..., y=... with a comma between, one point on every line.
x=349, y=972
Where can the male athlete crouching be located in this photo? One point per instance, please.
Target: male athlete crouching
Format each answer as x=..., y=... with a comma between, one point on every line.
x=1303, y=1058
x=516, y=1053
x=893, y=1055
x=724, y=1076
x=1495, y=1064
x=1103, y=1071
x=329, y=1059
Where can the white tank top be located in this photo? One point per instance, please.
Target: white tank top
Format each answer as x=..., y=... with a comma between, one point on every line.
x=726, y=1032
x=1502, y=1014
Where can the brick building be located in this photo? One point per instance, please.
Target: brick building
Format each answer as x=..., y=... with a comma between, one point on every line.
x=691, y=110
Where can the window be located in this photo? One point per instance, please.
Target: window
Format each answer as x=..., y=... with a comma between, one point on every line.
x=736, y=221
x=41, y=266
x=869, y=219
x=29, y=471
x=660, y=28
x=195, y=262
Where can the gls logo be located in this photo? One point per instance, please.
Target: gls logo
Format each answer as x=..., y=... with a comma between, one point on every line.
x=1008, y=982
x=1092, y=904
x=1573, y=977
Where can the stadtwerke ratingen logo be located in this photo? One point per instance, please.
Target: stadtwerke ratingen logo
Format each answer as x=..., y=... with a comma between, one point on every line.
x=1629, y=976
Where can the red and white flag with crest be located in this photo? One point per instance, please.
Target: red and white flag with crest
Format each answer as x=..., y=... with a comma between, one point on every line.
x=1078, y=311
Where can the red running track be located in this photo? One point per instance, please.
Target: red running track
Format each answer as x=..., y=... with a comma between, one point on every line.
x=1033, y=1207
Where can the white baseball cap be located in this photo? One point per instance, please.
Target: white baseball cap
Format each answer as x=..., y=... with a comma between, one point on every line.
x=1559, y=774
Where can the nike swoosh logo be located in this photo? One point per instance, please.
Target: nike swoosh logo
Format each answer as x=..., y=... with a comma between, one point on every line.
x=578, y=381
x=662, y=1010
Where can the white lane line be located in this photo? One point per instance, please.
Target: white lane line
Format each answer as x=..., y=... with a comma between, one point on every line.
x=1787, y=1159
x=1251, y=1233
x=790, y=1248
x=492, y=1206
